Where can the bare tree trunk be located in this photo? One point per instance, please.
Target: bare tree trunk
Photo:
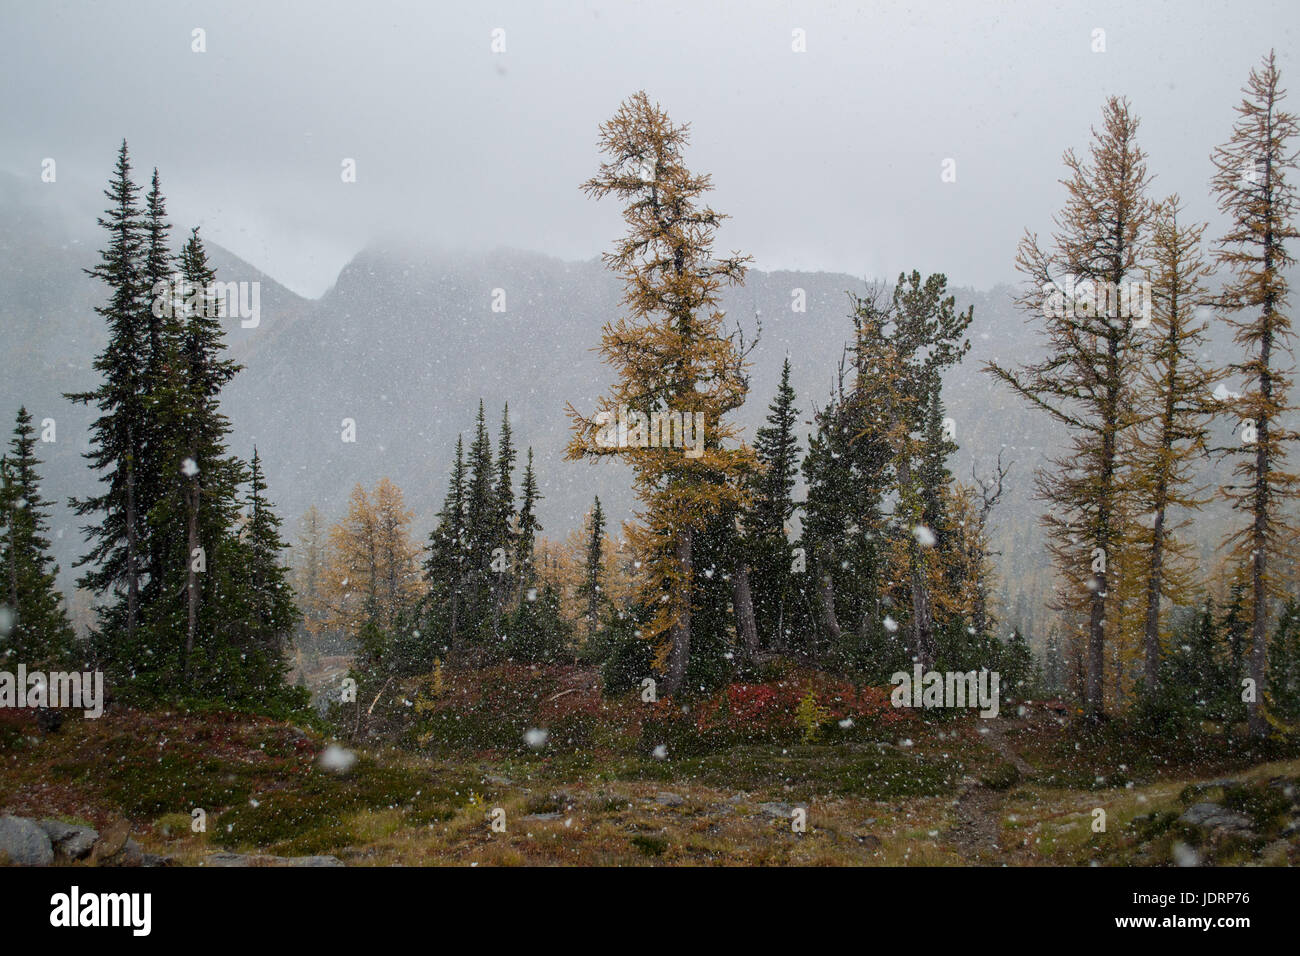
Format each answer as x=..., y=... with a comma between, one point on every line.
x=191, y=579
x=132, y=573
x=826, y=598
x=1258, y=566
x=923, y=643
x=680, y=634
x=1151, y=632
x=746, y=626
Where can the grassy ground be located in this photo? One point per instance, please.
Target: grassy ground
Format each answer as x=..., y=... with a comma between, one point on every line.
x=1022, y=789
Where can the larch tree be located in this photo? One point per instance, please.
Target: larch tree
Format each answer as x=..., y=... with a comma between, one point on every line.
x=310, y=571
x=674, y=361
x=1175, y=405
x=1076, y=294
x=1254, y=190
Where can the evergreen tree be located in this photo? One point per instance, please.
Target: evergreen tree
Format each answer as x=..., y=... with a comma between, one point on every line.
x=777, y=448
x=526, y=538
x=198, y=498
x=480, y=511
x=115, y=561
x=444, y=567
x=1252, y=182
x=1284, y=664
x=39, y=635
x=157, y=267
x=503, y=517
x=589, y=590
x=271, y=600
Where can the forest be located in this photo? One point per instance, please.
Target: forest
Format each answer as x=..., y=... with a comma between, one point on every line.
x=772, y=620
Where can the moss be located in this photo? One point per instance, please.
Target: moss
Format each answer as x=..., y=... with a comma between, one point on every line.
x=650, y=845
x=308, y=818
x=1264, y=805
x=1001, y=776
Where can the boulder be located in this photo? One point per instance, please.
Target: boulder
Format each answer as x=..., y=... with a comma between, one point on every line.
x=23, y=843
x=1215, y=818
x=70, y=842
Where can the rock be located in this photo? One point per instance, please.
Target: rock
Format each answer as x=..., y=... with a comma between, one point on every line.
x=780, y=811
x=23, y=843
x=1211, y=816
x=542, y=816
x=665, y=799
x=129, y=854
x=258, y=859
x=69, y=841
x=111, y=841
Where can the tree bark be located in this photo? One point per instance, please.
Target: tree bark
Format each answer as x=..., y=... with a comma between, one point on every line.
x=680, y=633
x=743, y=599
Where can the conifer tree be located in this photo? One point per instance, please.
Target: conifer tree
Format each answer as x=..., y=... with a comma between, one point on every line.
x=271, y=599
x=672, y=356
x=589, y=591
x=480, y=511
x=40, y=635
x=372, y=577
x=529, y=526
x=503, y=517
x=198, y=500
x=1252, y=183
x=1085, y=382
x=157, y=266
x=444, y=567
x=1175, y=405
x=776, y=447
x=115, y=561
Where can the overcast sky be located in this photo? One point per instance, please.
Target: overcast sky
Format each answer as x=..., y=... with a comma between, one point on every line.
x=826, y=159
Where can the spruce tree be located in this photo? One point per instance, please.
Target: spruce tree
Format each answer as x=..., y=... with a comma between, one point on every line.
x=198, y=501
x=271, y=601
x=777, y=448
x=503, y=516
x=526, y=539
x=157, y=267
x=589, y=590
x=444, y=566
x=480, y=539
x=40, y=635
x=115, y=562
